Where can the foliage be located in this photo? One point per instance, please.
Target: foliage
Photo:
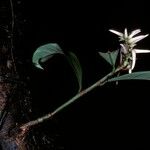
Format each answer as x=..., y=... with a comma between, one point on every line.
x=47, y=51
x=127, y=60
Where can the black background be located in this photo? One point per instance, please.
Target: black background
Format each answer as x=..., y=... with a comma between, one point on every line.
x=108, y=117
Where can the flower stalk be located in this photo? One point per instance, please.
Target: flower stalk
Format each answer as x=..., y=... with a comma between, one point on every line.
x=48, y=116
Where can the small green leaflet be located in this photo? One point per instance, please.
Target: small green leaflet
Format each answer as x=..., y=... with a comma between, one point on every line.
x=143, y=75
x=47, y=51
x=75, y=64
x=44, y=53
x=110, y=57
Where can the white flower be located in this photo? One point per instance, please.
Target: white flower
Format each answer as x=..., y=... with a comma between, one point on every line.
x=127, y=47
x=129, y=38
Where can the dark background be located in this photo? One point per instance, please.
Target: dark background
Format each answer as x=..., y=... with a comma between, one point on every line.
x=108, y=117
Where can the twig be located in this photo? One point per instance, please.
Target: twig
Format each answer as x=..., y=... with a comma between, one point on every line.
x=12, y=34
x=73, y=99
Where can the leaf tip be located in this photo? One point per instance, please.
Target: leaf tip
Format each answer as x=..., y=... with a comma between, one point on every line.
x=39, y=66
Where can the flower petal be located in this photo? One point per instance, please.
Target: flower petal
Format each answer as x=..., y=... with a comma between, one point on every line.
x=135, y=32
x=133, y=59
x=125, y=33
x=117, y=33
x=137, y=39
x=142, y=50
x=130, y=70
x=132, y=45
x=123, y=49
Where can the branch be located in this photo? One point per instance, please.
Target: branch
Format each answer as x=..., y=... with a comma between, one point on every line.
x=12, y=33
x=48, y=116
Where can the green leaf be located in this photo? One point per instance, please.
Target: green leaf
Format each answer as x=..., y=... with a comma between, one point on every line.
x=75, y=64
x=143, y=75
x=45, y=52
x=110, y=57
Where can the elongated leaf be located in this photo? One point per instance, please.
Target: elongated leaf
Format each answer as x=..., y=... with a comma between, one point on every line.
x=75, y=64
x=45, y=52
x=143, y=75
x=110, y=57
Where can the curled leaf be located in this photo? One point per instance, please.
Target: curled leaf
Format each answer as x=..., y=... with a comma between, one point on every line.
x=44, y=53
x=47, y=51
